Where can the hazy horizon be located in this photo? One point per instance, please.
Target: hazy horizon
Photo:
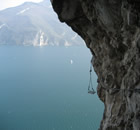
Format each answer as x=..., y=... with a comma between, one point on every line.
x=8, y=3
x=44, y=72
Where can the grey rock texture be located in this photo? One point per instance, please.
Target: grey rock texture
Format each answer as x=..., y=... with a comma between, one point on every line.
x=111, y=30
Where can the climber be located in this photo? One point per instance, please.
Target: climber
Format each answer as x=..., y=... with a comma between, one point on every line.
x=91, y=91
x=90, y=86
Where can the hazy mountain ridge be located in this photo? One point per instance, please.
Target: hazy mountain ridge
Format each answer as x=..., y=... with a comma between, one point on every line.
x=35, y=24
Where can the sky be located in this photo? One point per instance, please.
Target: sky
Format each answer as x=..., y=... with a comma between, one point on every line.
x=11, y=3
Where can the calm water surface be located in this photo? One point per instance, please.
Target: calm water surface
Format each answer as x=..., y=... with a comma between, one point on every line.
x=46, y=89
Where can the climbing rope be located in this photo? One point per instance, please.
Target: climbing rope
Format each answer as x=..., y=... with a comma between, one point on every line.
x=119, y=89
x=90, y=86
x=92, y=91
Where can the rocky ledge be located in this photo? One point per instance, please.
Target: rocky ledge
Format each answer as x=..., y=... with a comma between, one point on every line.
x=111, y=30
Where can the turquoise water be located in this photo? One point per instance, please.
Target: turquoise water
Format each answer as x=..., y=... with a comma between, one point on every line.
x=46, y=89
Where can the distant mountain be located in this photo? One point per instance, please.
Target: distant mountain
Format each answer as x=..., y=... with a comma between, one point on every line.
x=35, y=24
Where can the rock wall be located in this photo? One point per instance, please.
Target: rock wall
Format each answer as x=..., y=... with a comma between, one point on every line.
x=111, y=30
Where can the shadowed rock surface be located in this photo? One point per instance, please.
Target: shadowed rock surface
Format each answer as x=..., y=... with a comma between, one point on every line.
x=111, y=30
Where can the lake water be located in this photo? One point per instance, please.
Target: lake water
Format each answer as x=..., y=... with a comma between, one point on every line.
x=45, y=88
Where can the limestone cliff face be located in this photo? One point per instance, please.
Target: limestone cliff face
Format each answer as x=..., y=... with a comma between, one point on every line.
x=111, y=30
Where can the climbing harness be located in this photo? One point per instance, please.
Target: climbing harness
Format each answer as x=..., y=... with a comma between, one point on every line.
x=92, y=91
x=90, y=86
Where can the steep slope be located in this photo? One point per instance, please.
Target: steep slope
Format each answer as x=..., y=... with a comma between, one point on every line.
x=111, y=30
x=34, y=24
